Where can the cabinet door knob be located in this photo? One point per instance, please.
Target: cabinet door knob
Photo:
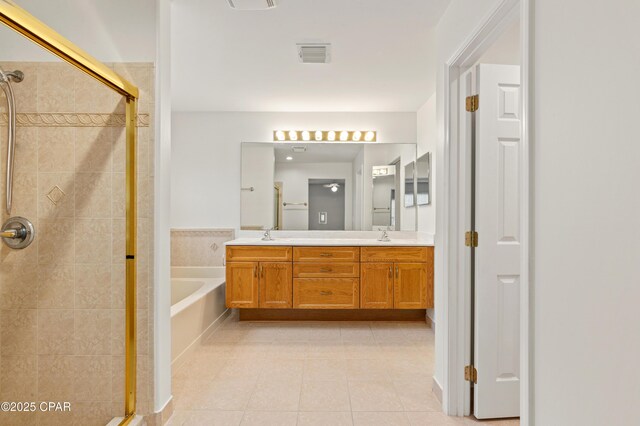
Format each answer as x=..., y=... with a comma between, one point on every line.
x=397, y=272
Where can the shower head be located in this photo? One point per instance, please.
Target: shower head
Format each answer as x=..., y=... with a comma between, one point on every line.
x=12, y=76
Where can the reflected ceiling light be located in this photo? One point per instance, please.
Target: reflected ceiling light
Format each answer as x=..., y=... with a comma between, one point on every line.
x=331, y=135
x=344, y=136
x=306, y=135
x=280, y=135
x=356, y=136
x=332, y=186
x=318, y=135
x=369, y=136
x=293, y=136
x=289, y=158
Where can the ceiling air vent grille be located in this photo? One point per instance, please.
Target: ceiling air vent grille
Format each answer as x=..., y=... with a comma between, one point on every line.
x=252, y=4
x=314, y=53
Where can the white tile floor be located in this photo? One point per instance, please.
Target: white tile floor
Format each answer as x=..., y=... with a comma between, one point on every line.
x=312, y=374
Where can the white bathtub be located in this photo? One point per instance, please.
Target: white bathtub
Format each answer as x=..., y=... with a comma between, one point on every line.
x=197, y=307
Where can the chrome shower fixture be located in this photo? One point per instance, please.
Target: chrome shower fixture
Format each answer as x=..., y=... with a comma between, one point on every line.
x=6, y=78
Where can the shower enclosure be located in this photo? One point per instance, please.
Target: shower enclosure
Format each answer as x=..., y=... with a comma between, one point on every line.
x=70, y=308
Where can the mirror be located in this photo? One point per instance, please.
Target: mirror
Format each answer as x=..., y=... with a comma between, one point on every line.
x=325, y=186
x=409, y=185
x=423, y=172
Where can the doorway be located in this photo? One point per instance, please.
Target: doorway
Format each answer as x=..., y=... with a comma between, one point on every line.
x=473, y=248
x=327, y=204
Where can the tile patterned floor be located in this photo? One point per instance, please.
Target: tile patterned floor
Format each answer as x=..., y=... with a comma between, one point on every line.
x=312, y=374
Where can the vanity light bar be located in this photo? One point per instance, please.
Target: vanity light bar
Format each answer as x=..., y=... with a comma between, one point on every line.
x=325, y=136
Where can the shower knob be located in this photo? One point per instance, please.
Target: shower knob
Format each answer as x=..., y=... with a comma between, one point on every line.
x=17, y=233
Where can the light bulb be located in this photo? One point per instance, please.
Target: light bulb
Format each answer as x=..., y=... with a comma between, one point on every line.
x=318, y=135
x=344, y=135
x=289, y=158
x=306, y=136
x=331, y=135
x=334, y=189
x=369, y=136
x=280, y=135
x=293, y=135
x=357, y=135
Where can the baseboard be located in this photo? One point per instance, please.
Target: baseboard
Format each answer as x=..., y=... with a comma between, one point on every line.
x=332, y=315
x=182, y=358
x=437, y=389
x=160, y=418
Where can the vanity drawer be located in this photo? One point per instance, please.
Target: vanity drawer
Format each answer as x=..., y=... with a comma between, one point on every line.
x=258, y=253
x=397, y=254
x=326, y=293
x=319, y=270
x=326, y=254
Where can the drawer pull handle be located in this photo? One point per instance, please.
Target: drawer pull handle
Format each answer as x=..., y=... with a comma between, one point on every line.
x=326, y=293
x=325, y=255
x=326, y=269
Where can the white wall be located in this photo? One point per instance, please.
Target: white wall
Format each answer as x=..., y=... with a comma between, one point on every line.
x=295, y=189
x=427, y=138
x=206, y=155
x=111, y=31
x=586, y=262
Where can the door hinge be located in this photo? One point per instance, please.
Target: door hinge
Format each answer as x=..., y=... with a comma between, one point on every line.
x=471, y=374
x=473, y=102
x=471, y=239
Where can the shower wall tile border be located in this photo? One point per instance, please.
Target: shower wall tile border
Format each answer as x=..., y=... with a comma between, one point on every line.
x=59, y=119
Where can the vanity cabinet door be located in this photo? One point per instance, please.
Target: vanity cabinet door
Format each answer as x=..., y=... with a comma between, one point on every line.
x=276, y=285
x=410, y=286
x=242, y=285
x=376, y=286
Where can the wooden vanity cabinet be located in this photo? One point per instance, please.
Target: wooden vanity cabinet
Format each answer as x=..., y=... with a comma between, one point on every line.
x=410, y=286
x=407, y=284
x=275, y=283
x=259, y=277
x=321, y=278
x=242, y=285
x=376, y=285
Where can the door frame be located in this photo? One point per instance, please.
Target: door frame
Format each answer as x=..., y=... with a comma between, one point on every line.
x=455, y=218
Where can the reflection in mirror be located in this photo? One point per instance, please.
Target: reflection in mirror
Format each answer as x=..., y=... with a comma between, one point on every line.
x=423, y=166
x=384, y=197
x=324, y=186
x=409, y=185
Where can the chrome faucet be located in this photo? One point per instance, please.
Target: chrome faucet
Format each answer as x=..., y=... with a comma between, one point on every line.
x=384, y=237
x=267, y=235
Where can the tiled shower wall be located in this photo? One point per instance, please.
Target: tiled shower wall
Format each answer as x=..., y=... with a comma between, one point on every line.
x=62, y=299
x=199, y=247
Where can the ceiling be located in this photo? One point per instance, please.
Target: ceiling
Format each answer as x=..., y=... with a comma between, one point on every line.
x=382, y=55
x=318, y=152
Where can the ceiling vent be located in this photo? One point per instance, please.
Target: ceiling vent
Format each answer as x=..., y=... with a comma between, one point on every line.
x=299, y=149
x=252, y=4
x=314, y=53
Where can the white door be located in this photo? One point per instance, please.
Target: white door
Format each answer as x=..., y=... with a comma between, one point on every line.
x=497, y=257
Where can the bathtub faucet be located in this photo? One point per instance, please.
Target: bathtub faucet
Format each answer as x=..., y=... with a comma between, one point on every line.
x=267, y=235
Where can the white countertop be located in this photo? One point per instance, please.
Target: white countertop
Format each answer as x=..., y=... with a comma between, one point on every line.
x=423, y=242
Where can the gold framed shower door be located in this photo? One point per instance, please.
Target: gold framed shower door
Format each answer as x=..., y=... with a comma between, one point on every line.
x=26, y=24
